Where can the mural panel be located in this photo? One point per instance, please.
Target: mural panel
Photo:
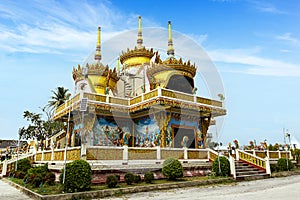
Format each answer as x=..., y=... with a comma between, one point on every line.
x=147, y=133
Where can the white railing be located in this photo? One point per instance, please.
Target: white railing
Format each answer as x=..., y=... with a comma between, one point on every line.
x=262, y=163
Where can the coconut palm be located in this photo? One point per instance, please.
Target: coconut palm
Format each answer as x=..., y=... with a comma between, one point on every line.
x=59, y=97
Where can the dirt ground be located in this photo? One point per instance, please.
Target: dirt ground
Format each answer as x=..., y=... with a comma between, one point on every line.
x=273, y=188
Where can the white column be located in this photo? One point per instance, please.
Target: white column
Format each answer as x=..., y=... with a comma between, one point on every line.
x=125, y=153
x=83, y=151
x=185, y=154
x=208, y=154
x=4, y=168
x=237, y=154
x=158, y=156
x=232, y=166
x=268, y=168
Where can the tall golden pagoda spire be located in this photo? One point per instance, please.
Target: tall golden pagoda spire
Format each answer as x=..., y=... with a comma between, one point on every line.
x=140, y=37
x=170, y=50
x=98, y=47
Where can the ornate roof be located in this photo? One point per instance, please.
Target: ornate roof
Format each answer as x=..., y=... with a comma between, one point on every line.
x=94, y=69
x=136, y=52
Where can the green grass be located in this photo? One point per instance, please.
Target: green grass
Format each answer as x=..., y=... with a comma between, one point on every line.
x=44, y=189
x=57, y=187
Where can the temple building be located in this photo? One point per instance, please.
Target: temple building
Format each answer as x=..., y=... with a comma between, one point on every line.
x=143, y=101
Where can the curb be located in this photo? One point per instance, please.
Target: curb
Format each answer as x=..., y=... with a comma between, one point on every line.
x=116, y=191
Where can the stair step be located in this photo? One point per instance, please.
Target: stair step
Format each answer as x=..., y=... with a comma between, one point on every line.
x=250, y=172
x=252, y=177
x=245, y=171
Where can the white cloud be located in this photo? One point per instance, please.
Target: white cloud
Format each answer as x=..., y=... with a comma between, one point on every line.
x=266, y=7
x=252, y=64
x=50, y=27
x=287, y=37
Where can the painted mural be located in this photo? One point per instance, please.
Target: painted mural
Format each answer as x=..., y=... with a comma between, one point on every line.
x=107, y=132
x=147, y=133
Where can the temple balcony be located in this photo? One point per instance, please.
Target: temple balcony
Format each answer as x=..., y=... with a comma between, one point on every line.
x=160, y=97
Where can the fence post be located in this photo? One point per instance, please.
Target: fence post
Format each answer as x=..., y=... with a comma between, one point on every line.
x=208, y=154
x=185, y=153
x=237, y=154
x=125, y=153
x=158, y=156
x=4, y=168
x=268, y=168
x=232, y=166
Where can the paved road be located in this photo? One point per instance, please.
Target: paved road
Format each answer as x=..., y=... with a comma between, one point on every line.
x=7, y=192
x=274, y=189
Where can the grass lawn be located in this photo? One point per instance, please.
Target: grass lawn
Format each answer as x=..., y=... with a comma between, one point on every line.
x=57, y=187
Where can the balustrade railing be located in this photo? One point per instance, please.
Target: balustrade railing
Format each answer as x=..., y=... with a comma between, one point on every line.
x=252, y=159
x=162, y=92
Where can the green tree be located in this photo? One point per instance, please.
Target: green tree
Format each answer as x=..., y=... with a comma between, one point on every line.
x=38, y=128
x=60, y=95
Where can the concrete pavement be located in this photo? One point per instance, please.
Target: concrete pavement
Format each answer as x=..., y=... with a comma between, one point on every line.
x=8, y=192
x=272, y=188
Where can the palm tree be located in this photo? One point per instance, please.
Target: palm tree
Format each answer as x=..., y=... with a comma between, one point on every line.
x=59, y=97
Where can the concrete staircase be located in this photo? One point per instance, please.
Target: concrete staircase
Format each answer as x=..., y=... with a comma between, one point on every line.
x=245, y=171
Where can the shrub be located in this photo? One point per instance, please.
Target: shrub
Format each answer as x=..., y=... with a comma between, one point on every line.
x=78, y=176
x=49, y=178
x=148, y=177
x=282, y=164
x=111, y=181
x=37, y=180
x=172, y=169
x=273, y=167
x=137, y=179
x=224, y=165
x=118, y=177
x=19, y=174
x=129, y=178
x=35, y=176
x=24, y=165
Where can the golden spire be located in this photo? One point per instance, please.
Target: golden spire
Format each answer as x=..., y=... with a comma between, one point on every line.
x=118, y=65
x=140, y=37
x=98, y=47
x=170, y=50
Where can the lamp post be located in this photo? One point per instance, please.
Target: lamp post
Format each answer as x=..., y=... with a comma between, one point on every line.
x=286, y=147
x=83, y=108
x=66, y=145
x=19, y=132
x=219, y=164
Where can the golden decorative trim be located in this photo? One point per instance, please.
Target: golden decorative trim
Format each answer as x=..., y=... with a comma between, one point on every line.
x=136, y=52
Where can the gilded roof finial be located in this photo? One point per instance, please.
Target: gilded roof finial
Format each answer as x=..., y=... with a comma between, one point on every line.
x=118, y=65
x=140, y=37
x=98, y=47
x=170, y=50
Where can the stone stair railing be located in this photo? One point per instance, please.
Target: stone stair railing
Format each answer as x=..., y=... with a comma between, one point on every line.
x=262, y=163
x=9, y=165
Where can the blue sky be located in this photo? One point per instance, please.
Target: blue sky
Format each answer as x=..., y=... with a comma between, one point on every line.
x=255, y=46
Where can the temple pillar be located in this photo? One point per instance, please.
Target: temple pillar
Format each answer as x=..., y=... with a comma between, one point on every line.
x=204, y=125
x=162, y=119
